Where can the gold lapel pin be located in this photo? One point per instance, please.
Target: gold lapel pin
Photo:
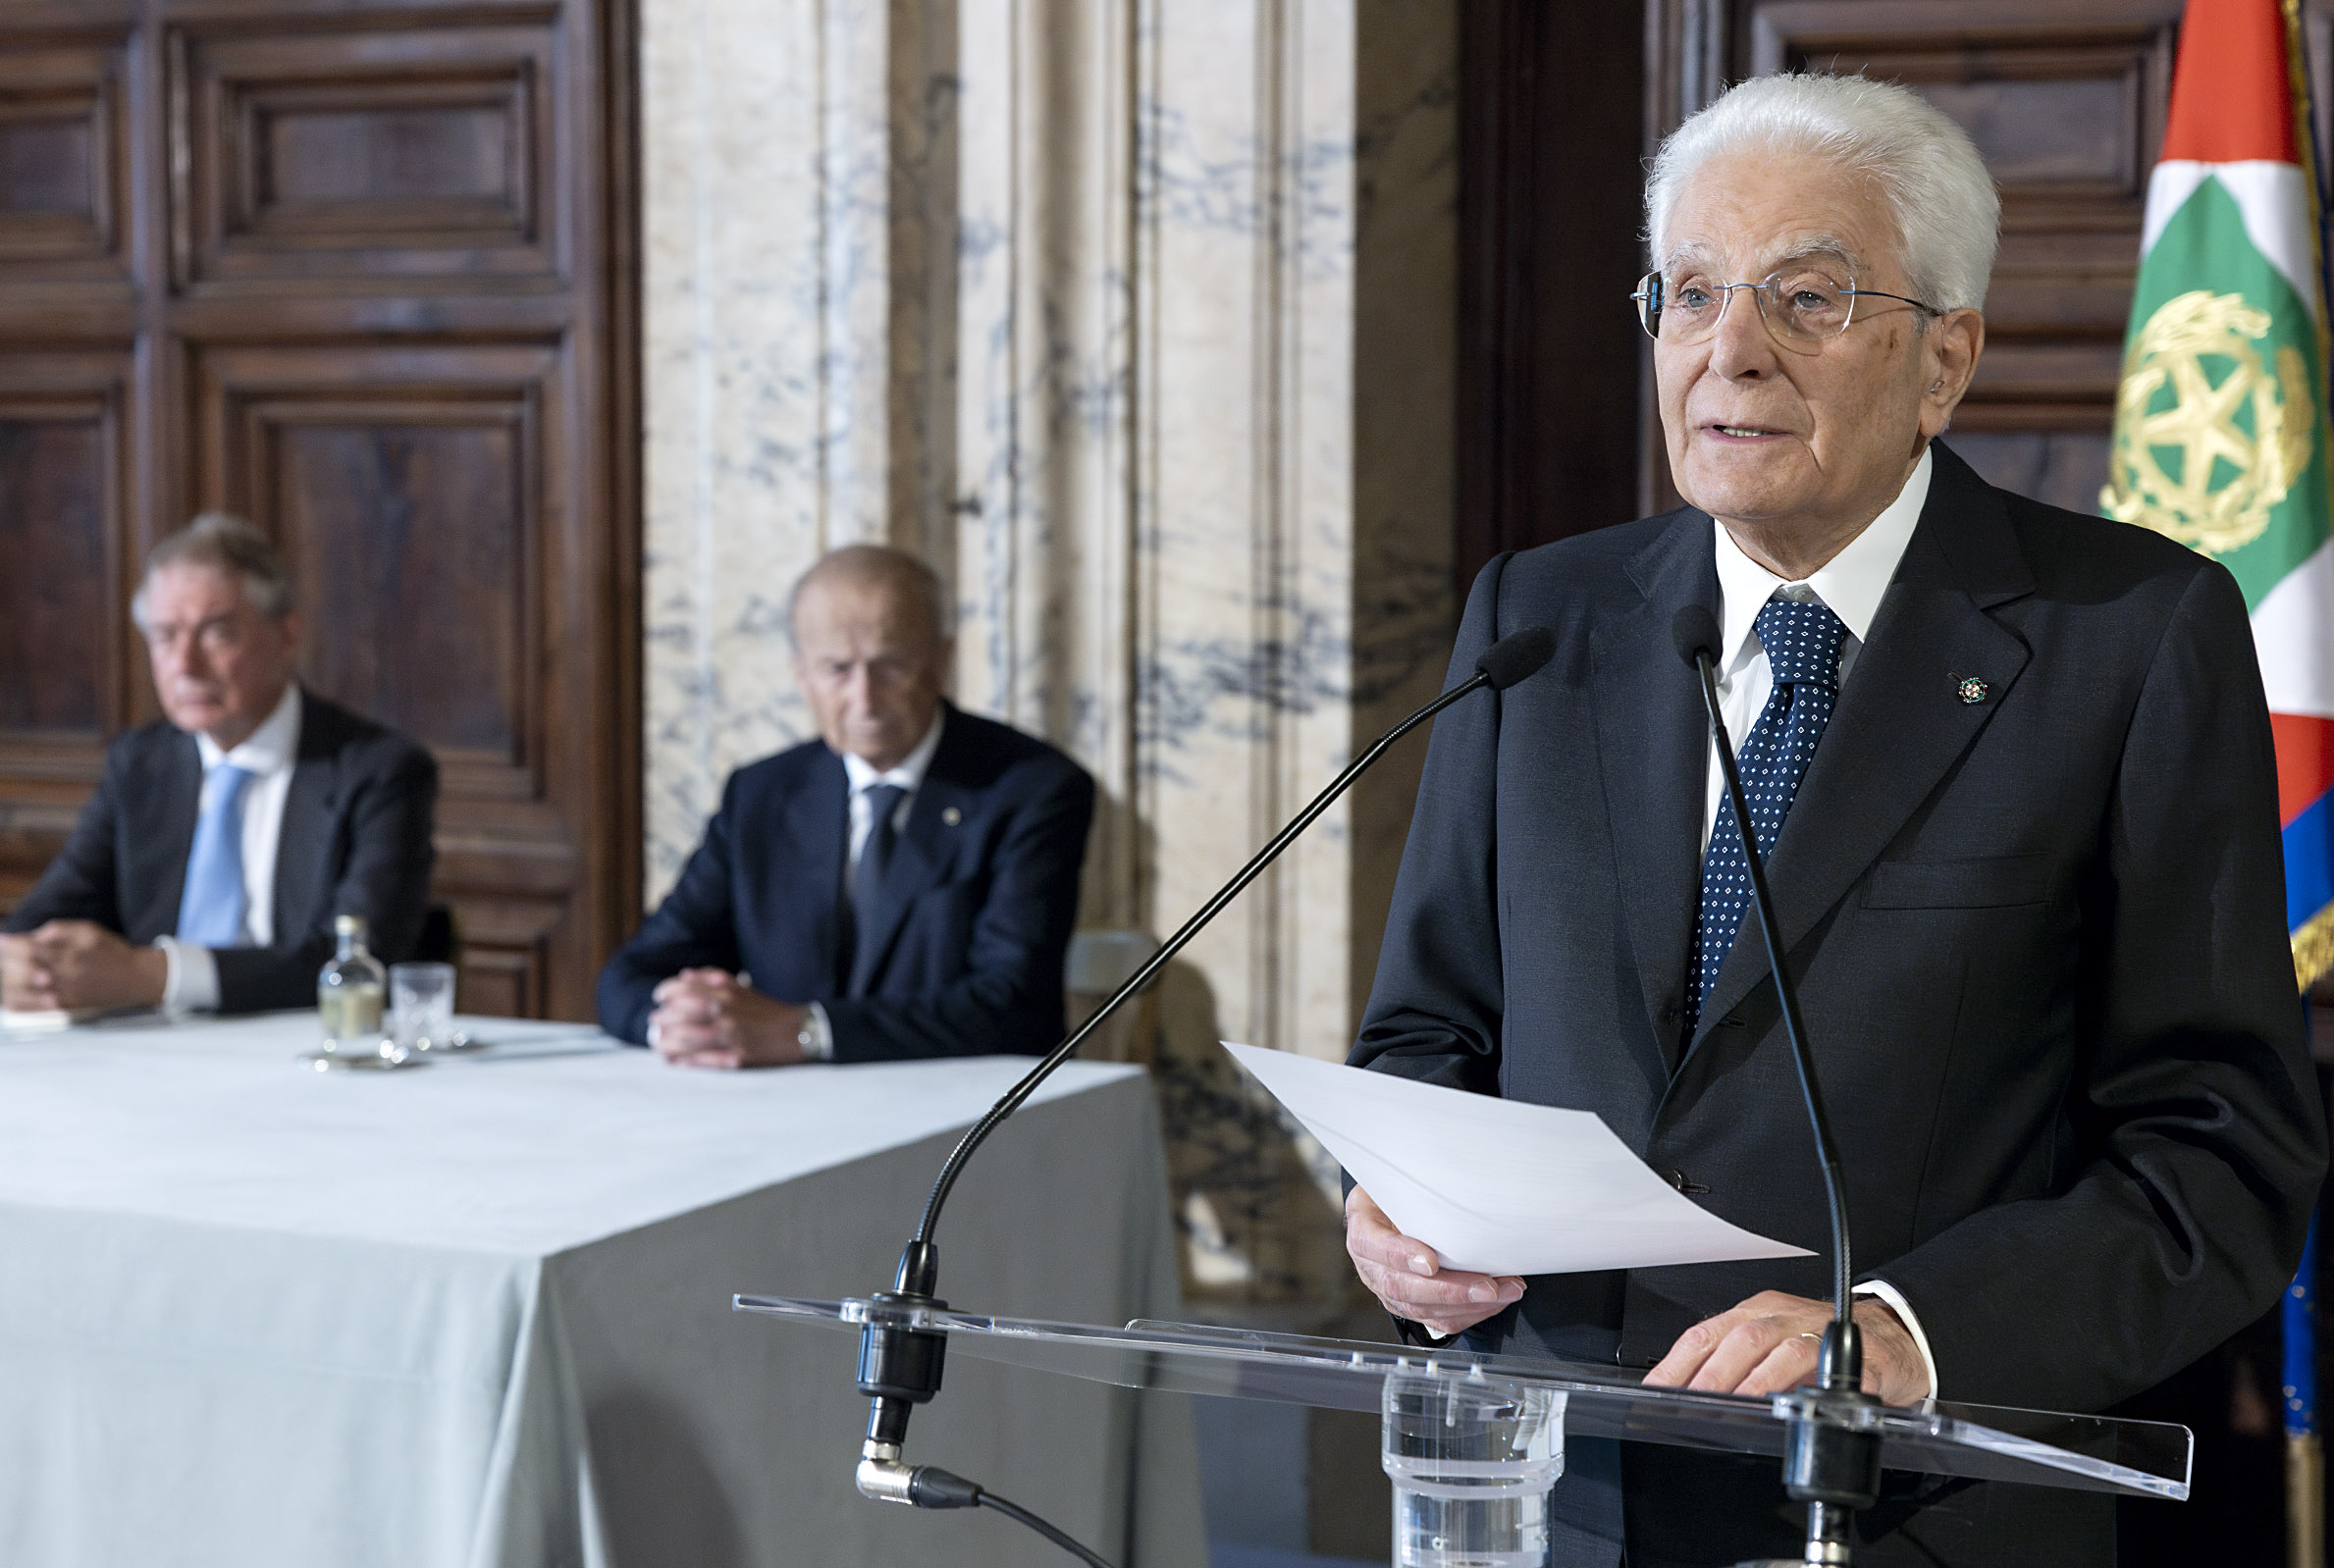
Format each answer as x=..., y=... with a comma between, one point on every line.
x=952, y=816
x=1972, y=689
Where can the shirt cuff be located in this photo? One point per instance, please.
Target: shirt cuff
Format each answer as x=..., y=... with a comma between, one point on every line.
x=817, y=1034
x=191, y=976
x=1883, y=1291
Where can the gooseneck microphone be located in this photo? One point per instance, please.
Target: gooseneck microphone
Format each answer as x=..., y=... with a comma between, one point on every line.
x=899, y=1362
x=1832, y=1462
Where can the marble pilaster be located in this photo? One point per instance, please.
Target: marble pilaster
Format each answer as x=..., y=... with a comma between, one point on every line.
x=1137, y=316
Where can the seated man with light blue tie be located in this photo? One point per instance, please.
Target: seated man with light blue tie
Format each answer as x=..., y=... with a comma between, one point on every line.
x=206, y=870
x=903, y=886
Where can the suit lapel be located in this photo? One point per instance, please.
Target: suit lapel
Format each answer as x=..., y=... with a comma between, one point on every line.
x=1653, y=747
x=1901, y=722
x=164, y=817
x=819, y=821
x=923, y=852
x=304, y=843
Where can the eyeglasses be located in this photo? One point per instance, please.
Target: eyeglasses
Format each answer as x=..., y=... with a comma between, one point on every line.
x=1804, y=307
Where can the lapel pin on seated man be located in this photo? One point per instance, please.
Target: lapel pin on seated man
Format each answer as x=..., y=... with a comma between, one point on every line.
x=223, y=840
x=903, y=886
x=2011, y=775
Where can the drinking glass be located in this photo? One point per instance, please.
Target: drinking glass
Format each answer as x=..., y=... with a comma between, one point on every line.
x=421, y=996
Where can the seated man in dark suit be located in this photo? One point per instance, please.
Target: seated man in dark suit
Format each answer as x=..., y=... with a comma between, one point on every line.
x=902, y=887
x=205, y=873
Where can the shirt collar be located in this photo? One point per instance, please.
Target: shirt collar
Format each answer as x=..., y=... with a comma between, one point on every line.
x=1851, y=583
x=275, y=745
x=908, y=773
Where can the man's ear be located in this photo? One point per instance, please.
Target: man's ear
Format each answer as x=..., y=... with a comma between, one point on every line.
x=1950, y=348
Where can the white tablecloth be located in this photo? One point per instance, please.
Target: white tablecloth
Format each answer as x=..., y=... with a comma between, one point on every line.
x=478, y=1314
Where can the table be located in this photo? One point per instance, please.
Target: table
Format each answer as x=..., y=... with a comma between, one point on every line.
x=477, y=1314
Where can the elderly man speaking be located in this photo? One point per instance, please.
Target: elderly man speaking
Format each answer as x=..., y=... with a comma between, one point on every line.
x=2012, y=770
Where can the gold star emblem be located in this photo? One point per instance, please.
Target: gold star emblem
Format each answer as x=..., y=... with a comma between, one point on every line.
x=2199, y=348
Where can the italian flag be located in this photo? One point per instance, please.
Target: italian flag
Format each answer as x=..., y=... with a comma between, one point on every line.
x=2220, y=423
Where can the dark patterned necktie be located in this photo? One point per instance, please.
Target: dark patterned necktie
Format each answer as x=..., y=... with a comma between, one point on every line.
x=1802, y=643
x=867, y=877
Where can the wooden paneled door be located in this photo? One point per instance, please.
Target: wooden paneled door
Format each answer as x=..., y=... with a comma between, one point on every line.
x=364, y=272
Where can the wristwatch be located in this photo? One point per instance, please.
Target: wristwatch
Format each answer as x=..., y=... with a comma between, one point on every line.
x=816, y=1038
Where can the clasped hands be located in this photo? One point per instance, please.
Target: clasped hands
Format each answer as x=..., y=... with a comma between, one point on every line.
x=706, y=1018
x=1766, y=1345
x=78, y=963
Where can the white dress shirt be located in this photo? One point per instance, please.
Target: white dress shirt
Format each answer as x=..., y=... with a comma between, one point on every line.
x=1851, y=583
x=268, y=754
x=907, y=776
x=817, y=1035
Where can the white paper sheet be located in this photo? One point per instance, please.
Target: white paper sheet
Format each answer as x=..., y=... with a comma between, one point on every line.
x=1499, y=1186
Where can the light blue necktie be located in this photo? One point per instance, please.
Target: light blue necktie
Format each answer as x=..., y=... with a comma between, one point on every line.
x=1802, y=644
x=211, y=911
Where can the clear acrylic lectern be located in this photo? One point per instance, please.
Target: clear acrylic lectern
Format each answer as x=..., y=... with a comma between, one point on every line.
x=1473, y=1443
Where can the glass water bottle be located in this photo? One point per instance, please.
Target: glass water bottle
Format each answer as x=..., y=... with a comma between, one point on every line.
x=349, y=992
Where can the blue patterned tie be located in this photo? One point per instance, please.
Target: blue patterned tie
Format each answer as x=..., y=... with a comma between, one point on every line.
x=211, y=911
x=1802, y=644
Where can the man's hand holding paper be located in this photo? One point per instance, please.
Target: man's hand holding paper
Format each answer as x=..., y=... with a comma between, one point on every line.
x=1408, y=1280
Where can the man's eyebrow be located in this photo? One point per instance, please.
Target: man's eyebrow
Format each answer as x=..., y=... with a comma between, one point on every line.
x=1821, y=248
x=223, y=619
x=1797, y=247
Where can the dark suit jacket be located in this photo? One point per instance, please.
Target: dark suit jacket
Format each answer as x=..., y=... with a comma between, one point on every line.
x=2040, y=942
x=355, y=840
x=977, y=905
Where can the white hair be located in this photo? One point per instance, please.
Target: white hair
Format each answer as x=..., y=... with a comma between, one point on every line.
x=1948, y=217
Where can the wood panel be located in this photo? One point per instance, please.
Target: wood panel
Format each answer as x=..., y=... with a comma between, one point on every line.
x=365, y=271
x=64, y=164
x=66, y=435
x=54, y=457
x=406, y=489
x=1550, y=353
x=407, y=493
x=407, y=527
x=398, y=157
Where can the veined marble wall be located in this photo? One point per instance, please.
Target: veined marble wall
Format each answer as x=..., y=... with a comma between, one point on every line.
x=1137, y=317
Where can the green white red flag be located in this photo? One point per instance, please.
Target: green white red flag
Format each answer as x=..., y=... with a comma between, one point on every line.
x=2220, y=423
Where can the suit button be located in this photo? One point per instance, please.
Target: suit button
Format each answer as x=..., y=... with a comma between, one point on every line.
x=1679, y=1181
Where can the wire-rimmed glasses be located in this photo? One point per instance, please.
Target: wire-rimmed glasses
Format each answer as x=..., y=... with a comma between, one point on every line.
x=1805, y=305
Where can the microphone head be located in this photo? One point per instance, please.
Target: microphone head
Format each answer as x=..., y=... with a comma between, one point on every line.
x=1516, y=656
x=1695, y=632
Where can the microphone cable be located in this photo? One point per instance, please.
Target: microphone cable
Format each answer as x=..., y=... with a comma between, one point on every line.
x=930, y=1487
x=900, y=1363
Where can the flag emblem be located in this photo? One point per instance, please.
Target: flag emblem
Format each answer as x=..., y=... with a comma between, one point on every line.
x=2208, y=437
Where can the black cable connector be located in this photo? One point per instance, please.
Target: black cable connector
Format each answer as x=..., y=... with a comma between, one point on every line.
x=930, y=1487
